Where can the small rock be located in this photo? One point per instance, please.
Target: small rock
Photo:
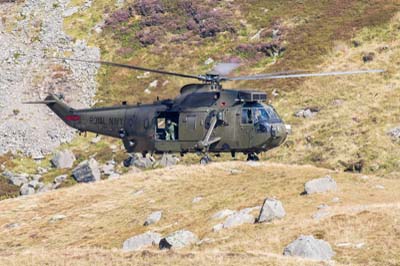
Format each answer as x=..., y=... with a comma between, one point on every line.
x=41, y=170
x=153, y=218
x=46, y=188
x=60, y=179
x=57, y=217
x=108, y=169
x=153, y=84
x=394, y=133
x=197, y=199
x=217, y=227
x=364, y=177
x=320, y=185
x=63, y=159
x=337, y=102
x=140, y=241
x=379, y=187
x=343, y=244
x=310, y=248
x=114, y=176
x=12, y=225
x=95, y=140
x=87, y=171
x=35, y=184
x=307, y=112
x=70, y=11
x=26, y=189
x=360, y=245
x=178, y=239
x=222, y=214
x=320, y=214
x=138, y=192
x=235, y=172
x=237, y=219
x=168, y=160
x=272, y=209
x=37, y=156
x=209, y=61
x=144, y=75
x=142, y=162
x=335, y=200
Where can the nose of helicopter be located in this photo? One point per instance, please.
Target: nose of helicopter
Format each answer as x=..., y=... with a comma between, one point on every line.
x=279, y=133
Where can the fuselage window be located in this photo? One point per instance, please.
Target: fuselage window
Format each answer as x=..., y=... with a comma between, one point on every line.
x=247, y=117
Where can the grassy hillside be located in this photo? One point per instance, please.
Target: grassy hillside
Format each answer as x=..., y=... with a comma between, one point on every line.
x=101, y=216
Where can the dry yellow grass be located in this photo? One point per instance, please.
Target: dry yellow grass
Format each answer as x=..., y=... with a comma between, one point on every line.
x=101, y=216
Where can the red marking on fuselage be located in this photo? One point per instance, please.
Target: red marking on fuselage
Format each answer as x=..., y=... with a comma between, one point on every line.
x=72, y=118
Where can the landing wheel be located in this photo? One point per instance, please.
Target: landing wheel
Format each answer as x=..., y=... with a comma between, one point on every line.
x=252, y=157
x=128, y=161
x=205, y=160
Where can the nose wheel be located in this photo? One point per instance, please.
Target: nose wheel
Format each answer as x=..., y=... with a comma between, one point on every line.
x=252, y=157
x=128, y=161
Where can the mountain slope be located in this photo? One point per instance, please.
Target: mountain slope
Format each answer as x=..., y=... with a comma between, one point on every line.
x=101, y=216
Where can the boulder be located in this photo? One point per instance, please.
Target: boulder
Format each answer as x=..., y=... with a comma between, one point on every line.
x=320, y=185
x=178, y=239
x=168, y=160
x=87, y=171
x=238, y=218
x=222, y=214
x=272, y=209
x=63, y=159
x=26, y=189
x=153, y=218
x=140, y=241
x=310, y=248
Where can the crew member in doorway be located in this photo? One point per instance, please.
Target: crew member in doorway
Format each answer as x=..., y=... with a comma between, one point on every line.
x=170, y=130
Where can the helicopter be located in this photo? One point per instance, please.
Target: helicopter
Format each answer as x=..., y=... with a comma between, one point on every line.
x=204, y=118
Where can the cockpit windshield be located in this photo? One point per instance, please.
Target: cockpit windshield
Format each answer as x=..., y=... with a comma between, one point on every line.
x=256, y=113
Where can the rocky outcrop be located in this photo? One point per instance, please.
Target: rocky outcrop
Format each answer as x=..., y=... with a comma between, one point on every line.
x=271, y=209
x=320, y=185
x=178, y=239
x=27, y=73
x=87, y=171
x=141, y=241
x=310, y=248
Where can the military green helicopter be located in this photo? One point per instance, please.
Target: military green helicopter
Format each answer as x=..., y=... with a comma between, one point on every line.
x=204, y=118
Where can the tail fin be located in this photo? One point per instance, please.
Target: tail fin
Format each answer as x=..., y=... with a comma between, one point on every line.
x=59, y=107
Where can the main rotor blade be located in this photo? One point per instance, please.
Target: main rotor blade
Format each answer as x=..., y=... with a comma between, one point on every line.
x=305, y=75
x=131, y=67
